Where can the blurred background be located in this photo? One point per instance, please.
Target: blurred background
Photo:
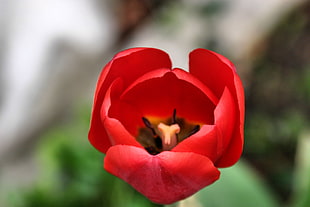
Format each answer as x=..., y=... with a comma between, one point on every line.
x=52, y=51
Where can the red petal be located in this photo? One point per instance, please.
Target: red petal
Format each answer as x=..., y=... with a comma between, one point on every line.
x=118, y=134
x=100, y=142
x=128, y=115
x=217, y=72
x=225, y=119
x=164, y=178
x=234, y=149
x=204, y=142
x=128, y=65
x=213, y=69
x=161, y=91
x=241, y=103
x=183, y=75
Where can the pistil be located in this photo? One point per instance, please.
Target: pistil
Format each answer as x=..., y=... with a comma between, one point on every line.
x=168, y=135
x=158, y=136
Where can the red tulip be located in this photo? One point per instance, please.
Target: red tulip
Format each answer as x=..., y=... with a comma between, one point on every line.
x=166, y=131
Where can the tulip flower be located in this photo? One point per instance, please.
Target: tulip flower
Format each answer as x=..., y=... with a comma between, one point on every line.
x=164, y=130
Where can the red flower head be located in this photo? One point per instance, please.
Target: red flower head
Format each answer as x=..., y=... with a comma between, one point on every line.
x=166, y=131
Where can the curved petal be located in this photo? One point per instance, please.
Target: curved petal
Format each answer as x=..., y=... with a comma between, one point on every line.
x=159, y=94
x=164, y=178
x=204, y=142
x=118, y=134
x=217, y=72
x=234, y=149
x=225, y=119
x=128, y=115
x=183, y=75
x=241, y=103
x=128, y=65
x=180, y=74
x=213, y=69
x=100, y=142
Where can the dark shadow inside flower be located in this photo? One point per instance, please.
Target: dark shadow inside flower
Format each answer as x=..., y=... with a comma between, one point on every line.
x=157, y=99
x=151, y=137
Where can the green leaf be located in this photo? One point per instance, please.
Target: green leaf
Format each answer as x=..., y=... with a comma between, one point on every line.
x=71, y=173
x=301, y=195
x=238, y=186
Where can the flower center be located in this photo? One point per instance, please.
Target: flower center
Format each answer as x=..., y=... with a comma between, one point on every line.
x=168, y=134
x=165, y=134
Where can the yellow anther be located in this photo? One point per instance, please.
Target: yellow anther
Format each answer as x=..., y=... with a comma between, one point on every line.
x=168, y=135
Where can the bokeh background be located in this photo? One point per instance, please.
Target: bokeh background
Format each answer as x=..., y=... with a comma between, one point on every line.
x=52, y=51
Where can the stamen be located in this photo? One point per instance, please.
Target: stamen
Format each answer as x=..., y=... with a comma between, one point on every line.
x=156, y=138
x=174, y=116
x=168, y=134
x=148, y=124
x=194, y=130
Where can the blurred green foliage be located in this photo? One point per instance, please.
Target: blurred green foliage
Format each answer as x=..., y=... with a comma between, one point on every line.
x=238, y=186
x=278, y=101
x=72, y=174
x=301, y=196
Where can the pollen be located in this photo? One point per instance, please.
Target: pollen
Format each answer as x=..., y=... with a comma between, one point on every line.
x=168, y=134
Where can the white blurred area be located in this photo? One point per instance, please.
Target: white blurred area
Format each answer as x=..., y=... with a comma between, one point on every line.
x=51, y=52
x=43, y=40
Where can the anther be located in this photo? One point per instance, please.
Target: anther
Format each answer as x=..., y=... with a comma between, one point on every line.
x=148, y=124
x=174, y=116
x=194, y=130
